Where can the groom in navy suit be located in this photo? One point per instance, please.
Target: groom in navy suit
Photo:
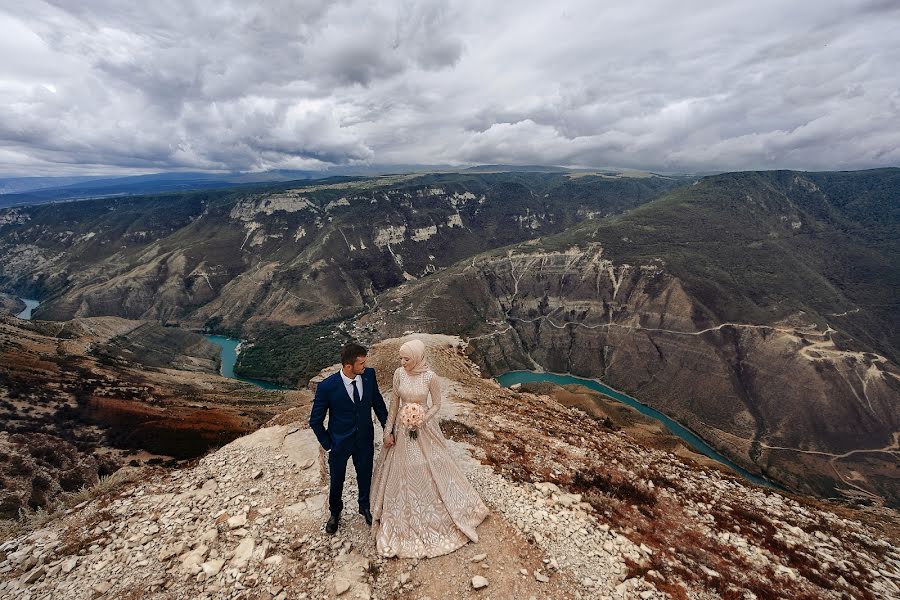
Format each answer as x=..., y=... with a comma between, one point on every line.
x=348, y=398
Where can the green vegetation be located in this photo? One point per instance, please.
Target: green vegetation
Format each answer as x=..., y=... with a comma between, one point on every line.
x=291, y=355
x=213, y=326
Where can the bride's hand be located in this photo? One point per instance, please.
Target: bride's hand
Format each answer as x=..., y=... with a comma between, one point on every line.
x=389, y=440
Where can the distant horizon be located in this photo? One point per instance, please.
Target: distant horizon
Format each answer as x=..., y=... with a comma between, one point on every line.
x=378, y=169
x=398, y=168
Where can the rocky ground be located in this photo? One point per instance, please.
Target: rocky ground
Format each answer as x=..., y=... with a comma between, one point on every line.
x=578, y=510
x=80, y=398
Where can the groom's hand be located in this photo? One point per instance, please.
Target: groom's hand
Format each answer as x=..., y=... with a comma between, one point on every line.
x=389, y=440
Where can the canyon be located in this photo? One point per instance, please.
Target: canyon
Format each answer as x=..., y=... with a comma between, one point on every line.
x=758, y=309
x=287, y=255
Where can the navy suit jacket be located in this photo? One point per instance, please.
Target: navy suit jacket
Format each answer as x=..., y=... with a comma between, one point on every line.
x=347, y=422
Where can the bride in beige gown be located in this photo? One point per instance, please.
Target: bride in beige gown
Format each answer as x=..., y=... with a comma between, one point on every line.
x=422, y=503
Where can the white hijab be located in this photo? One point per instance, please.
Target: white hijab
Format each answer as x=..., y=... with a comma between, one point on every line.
x=415, y=350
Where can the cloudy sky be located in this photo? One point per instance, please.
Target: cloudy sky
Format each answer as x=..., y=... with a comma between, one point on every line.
x=98, y=86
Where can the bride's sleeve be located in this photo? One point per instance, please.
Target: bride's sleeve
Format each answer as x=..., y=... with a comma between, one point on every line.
x=434, y=387
x=395, y=405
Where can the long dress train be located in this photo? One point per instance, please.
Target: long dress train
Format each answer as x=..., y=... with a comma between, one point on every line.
x=422, y=503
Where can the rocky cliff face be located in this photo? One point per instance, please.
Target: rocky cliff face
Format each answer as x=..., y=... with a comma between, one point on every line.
x=756, y=392
x=78, y=399
x=10, y=305
x=577, y=511
x=287, y=255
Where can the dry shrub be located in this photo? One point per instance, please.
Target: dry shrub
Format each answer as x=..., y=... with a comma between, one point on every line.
x=29, y=520
x=457, y=430
x=614, y=484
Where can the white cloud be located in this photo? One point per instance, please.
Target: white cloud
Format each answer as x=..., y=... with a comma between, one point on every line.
x=202, y=84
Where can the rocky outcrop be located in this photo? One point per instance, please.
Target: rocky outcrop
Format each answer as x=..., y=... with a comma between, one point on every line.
x=10, y=305
x=782, y=399
x=577, y=511
x=159, y=347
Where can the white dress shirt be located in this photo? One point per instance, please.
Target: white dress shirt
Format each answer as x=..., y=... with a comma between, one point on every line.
x=348, y=384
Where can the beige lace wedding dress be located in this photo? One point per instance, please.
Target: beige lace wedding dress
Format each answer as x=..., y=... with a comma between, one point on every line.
x=422, y=503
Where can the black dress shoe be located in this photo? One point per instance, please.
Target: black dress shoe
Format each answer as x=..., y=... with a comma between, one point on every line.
x=332, y=525
x=365, y=512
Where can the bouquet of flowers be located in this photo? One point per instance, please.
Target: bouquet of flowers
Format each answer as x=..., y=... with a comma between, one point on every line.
x=412, y=415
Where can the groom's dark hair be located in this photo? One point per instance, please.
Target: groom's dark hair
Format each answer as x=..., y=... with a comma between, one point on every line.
x=351, y=352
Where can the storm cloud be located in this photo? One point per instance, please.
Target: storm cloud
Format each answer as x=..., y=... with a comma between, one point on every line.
x=97, y=86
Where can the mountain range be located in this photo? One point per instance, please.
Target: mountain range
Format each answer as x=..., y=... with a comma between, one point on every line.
x=293, y=254
x=21, y=191
x=758, y=308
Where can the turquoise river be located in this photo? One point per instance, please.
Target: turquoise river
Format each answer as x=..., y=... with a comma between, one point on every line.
x=692, y=439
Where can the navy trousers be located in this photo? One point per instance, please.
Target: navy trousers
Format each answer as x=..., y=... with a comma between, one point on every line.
x=362, y=455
